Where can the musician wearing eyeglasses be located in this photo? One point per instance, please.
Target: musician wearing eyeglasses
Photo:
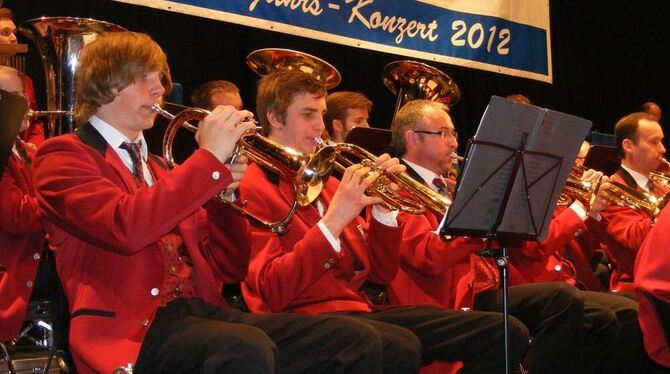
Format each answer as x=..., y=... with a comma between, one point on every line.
x=319, y=263
x=21, y=232
x=450, y=273
x=141, y=262
x=638, y=138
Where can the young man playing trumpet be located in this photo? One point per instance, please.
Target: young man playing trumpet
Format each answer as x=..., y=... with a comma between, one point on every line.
x=318, y=265
x=451, y=274
x=639, y=141
x=141, y=262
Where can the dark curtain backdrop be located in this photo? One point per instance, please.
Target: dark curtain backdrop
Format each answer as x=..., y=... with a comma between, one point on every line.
x=607, y=57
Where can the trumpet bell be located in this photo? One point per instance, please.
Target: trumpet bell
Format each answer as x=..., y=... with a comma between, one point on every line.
x=268, y=60
x=306, y=173
x=411, y=80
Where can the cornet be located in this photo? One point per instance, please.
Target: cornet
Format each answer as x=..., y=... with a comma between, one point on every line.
x=307, y=173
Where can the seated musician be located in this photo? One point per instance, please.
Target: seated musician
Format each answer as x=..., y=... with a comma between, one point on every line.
x=652, y=287
x=21, y=233
x=318, y=265
x=571, y=228
x=33, y=135
x=213, y=93
x=344, y=111
x=639, y=141
x=141, y=262
x=450, y=274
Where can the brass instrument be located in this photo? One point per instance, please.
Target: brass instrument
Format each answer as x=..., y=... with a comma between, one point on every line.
x=662, y=177
x=420, y=197
x=622, y=195
x=268, y=60
x=584, y=191
x=411, y=80
x=59, y=41
x=307, y=173
x=32, y=114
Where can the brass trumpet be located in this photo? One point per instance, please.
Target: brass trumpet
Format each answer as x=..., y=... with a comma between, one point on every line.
x=625, y=196
x=662, y=177
x=420, y=197
x=308, y=173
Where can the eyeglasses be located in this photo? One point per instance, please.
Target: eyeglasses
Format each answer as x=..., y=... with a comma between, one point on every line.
x=445, y=134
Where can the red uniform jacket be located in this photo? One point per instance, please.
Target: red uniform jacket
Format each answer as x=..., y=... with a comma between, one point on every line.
x=35, y=132
x=299, y=271
x=104, y=232
x=21, y=239
x=652, y=278
x=545, y=261
x=444, y=274
x=627, y=230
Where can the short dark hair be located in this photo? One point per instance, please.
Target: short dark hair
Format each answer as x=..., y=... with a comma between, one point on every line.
x=626, y=128
x=201, y=96
x=6, y=13
x=338, y=103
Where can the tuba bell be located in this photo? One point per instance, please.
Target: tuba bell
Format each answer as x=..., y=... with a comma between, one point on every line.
x=59, y=41
x=412, y=80
x=267, y=60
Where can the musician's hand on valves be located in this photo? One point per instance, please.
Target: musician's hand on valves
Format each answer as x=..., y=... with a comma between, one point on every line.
x=389, y=165
x=237, y=169
x=600, y=203
x=591, y=175
x=221, y=129
x=350, y=198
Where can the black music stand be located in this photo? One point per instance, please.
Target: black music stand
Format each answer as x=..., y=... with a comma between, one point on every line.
x=513, y=173
x=602, y=158
x=12, y=110
x=375, y=140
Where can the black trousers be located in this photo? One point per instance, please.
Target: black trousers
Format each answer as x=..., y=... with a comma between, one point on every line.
x=628, y=355
x=554, y=314
x=476, y=338
x=191, y=336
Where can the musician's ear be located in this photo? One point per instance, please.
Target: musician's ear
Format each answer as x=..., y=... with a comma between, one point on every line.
x=276, y=121
x=627, y=145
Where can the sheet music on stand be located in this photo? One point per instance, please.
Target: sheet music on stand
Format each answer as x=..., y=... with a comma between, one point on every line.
x=485, y=202
x=12, y=109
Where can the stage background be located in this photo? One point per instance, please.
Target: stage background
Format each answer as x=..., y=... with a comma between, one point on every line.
x=606, y=57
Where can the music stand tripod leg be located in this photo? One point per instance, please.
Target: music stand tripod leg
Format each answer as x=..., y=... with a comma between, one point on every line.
x=10, y=364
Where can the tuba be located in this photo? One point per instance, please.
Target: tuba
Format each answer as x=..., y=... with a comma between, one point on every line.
x=267, y=60
x=59, y=41
x=411, y=80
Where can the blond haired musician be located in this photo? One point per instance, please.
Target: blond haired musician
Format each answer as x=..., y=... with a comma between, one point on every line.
x=639, y=141
x=21, y=232
x=318, y=265
x=141, y=262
